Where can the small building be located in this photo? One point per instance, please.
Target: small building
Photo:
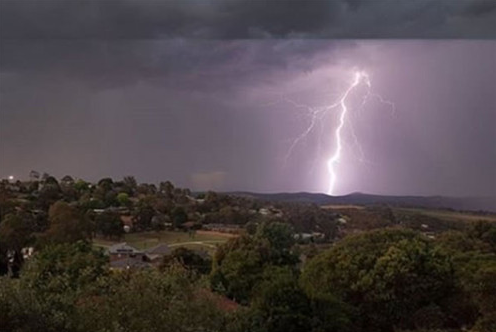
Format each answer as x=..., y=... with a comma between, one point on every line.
x=123, y=250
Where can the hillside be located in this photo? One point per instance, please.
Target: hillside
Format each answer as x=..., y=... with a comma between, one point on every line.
x=431, y=202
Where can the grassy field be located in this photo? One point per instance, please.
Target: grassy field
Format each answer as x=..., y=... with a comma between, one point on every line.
x=343, y=206
x=197, y=240
x=450, y=215
x=425, y=220
x=440, y=214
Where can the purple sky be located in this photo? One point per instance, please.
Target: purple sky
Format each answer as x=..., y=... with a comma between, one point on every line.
x=210, y=113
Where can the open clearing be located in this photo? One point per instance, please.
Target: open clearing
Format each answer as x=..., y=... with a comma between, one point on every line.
x=440, y=214
x=451, y=215
x=194, y=240
x=343, y=206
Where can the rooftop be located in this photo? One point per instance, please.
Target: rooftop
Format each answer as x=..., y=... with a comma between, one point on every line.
x=123, y=248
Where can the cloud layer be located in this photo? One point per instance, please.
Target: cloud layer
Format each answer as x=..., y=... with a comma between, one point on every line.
x=240, y=19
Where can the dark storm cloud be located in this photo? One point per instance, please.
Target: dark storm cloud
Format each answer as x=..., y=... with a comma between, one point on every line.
x=235, y=19
x=179, y=62
x=480, y=8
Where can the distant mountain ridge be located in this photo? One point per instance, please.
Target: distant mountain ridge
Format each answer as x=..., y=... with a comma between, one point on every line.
x=432, y=202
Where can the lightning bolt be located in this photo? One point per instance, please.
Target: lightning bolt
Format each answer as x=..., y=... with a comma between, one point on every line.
x=317, y=114
x=331, y=163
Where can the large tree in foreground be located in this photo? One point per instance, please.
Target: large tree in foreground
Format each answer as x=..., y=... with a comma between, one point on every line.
x=394, y=278
x=239, y=264
x=67, y=287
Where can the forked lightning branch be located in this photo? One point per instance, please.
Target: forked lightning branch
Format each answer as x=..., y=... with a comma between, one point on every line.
x=342, y=107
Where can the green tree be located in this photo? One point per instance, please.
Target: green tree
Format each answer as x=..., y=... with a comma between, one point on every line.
x=280, y=235
x=143, y=213
x=484, y=231
x=48, y=294
x=150, y=301
x=178, y=216
x=239, y=264
x=188, y=259
x=67, y=180
x=484, y=292
x=279, y=304
x=16, y=232
x=386, y=275
x=67, y=224
x=123, y=199
x=7, y=204
x=166, y=188
x=49, y=193
x=475, y=265
x=106, y=184
x=130, y=184
x=110, y=198
x=65, y=267
x=109, y=224
x=81, y=186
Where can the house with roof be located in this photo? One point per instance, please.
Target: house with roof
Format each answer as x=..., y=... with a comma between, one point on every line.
x=154, y=255
x=123, y=250
x=122, y=256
